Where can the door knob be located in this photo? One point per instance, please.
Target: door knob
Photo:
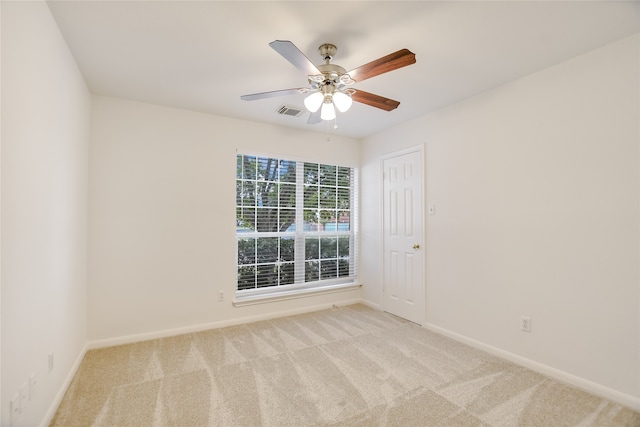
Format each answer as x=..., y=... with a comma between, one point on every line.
x=416, y=246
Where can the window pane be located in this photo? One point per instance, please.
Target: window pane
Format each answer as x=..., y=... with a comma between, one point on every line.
x=287, y=195
x=331, y=225
x=310, y=196
x=328, y=175
x=266, y=193
x=287, y=171
x=344, y=221
x=248, y=195
x=245, y=220
x=238, y=167
x=287, y=246
x=328, y=197
x=344, y=177
x=344, y=196
x=267, y=275
x=267, y=220
x=247, y=251
x=328, y=219
x=310, y=173
x=287, y=274
x=311, y=271
x=287, y=220
x=238, y=193
x=247, y=277
x=336, y=225
x=343, y=268
x=328, y=247
x=267, y=169
x=343, y=246
x=249, y=167
x=311, y=219
x=267, y=249
x=328, y=269
x=311, y=248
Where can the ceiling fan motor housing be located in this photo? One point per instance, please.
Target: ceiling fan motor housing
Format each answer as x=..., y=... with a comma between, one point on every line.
x=332, y=74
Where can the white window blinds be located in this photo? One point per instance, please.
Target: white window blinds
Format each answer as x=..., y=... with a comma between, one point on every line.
x=296, y=223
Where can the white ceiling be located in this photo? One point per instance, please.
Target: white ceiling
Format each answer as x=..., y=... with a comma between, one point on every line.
x=203, y=55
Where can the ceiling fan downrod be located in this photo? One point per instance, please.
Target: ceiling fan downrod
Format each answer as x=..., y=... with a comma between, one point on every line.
x=327, y=51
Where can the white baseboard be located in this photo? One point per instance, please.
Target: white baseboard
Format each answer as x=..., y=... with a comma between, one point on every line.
x=371, y=304
x=579, y=382
x=63, y=389
x=110, y=342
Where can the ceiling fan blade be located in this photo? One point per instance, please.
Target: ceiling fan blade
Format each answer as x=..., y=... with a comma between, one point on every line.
x=292, y=54
x=314, y=118
x=391, y=62
x=272, y=94
x=375, y=100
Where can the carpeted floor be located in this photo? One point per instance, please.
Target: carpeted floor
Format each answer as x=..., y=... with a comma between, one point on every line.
x=351, y=366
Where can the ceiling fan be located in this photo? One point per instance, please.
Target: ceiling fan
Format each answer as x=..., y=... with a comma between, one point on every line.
x=330, y=84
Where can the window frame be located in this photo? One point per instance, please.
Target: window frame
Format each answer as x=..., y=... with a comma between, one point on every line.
x=300, y=236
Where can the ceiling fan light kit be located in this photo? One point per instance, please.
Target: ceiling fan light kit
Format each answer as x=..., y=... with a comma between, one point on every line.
x=342, y=101
x=328, y=111
x=329, y=84
x=314, y=101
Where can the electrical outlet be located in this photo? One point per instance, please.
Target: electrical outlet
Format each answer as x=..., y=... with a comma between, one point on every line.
x=221, y=296
x=525, y=323
x=50, y=362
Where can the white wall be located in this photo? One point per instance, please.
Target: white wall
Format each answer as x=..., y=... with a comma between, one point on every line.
x=45, y=136
x=536, y=186
x=162, y=197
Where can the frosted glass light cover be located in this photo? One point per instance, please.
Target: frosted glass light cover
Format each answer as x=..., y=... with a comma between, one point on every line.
x=342, y=101
x=328, y=112
x=313, y=101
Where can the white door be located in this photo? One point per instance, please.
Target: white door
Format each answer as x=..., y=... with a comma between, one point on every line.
x=403, y=263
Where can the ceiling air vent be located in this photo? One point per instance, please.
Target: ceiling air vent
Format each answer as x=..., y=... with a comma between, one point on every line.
x=287, y=110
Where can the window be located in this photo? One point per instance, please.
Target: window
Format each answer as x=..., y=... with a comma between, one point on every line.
x=295, y=224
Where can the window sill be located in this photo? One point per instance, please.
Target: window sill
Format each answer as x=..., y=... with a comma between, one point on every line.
x=242, y=301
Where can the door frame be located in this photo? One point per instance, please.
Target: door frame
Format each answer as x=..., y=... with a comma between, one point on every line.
x=421, y=150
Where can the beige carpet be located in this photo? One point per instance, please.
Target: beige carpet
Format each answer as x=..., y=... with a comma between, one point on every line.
x=350, y=366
